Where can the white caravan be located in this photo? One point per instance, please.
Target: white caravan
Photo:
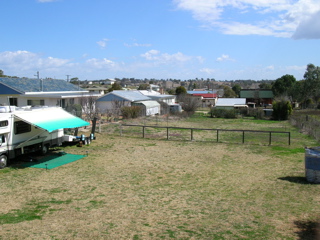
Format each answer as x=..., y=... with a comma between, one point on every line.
x=26, y=130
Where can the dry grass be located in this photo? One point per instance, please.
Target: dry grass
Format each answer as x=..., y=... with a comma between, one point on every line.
x=133, y=188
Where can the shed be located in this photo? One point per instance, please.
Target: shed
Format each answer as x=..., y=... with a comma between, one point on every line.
x=231, y=103
x=149, y=108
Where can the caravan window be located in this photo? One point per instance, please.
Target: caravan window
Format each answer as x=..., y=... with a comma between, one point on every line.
x=2, y=139
x=21, y=127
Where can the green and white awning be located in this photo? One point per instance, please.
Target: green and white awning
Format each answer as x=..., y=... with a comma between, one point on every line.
x=50, y=119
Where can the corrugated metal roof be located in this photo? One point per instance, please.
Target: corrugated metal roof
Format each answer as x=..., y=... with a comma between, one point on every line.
x=206, y=95
x=200, y=92
x=149, y=104
x=24, y=85
x=252, y=93
x=230, y=101
x=132, y=96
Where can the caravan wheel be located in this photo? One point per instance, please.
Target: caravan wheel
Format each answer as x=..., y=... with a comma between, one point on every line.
x=44, y=149
x=3, y=161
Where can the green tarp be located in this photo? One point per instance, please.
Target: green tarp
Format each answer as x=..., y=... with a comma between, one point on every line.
x=53, y=161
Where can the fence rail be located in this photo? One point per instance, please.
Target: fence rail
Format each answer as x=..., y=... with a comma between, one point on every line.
x=218, y=131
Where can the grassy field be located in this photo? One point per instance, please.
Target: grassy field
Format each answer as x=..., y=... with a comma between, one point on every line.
x=133, y=188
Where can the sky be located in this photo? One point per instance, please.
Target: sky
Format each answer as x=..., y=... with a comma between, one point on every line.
x=161, y=39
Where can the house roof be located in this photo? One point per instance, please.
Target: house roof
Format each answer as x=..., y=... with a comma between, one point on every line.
x=199, y=92
x=254, y=93
x=230, y=101
x=149, y=92
x=149, y=104
x=24, y=85
x=132, y=96
x=206, y=95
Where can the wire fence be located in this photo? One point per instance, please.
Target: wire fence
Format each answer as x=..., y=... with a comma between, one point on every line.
x=201, y=134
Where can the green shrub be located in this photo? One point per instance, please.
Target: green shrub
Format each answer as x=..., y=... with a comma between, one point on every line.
x=222, y=113
x=282, y=109
x=131, y=112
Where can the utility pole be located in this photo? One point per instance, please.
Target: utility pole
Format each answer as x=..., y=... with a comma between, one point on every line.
x=37, y=75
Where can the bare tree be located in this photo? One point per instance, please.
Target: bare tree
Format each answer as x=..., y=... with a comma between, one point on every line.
x=189, y=104
x=89, y=109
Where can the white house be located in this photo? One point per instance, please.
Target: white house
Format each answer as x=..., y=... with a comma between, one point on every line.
x=40, y=92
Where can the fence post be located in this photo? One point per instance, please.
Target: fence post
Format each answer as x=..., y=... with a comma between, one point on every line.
x=269, y=138
x=143, y=132
x=289, y=138
x=217, y=135
x=167, y=133
x=120, y=130
x=242, y=136
x=191, y=134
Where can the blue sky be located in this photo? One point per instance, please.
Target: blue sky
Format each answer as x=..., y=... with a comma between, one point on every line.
x=162, y=39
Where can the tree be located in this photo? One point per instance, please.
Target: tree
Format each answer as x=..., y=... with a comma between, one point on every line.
x=283, y=85
x=74, y=80
x=236, y=88
x=180, y=90
x=228, y=92
x=143, y=86
x=265, y=85
x=312, y=82
x=282, y=109
x=115, y=86
x=188, y=103
x=88, y=104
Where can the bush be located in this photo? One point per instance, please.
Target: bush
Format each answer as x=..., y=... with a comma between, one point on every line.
x=281, y=110
x=222, y=113
x=131, y=112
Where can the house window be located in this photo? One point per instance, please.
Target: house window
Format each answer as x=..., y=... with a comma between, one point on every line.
x=35, y=102
x=71, y=101
x=13, y=101
x=21, y=127
x=4, y=123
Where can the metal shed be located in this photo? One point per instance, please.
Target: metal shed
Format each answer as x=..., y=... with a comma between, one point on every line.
x=149, y=107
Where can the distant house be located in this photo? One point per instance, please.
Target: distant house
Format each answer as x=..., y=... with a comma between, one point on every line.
x=157, y=96
x=44, y=92
x=231, y=103
x=257, y=97
x=206, y=99
x=114, y=100
x=155, y=87
x=98, y=90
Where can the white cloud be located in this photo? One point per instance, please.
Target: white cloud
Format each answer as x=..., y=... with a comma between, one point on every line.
x=270, y=68
x=103, y=43
x=279, y=18
x=137, y=45
x=100, y=63
x=208, y=70
x=309, y=28
x=155, y=55
x=42, y=1
x=224, y=58
x=28, y=60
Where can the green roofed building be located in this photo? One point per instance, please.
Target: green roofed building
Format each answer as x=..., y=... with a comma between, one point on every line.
x=257, y=97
